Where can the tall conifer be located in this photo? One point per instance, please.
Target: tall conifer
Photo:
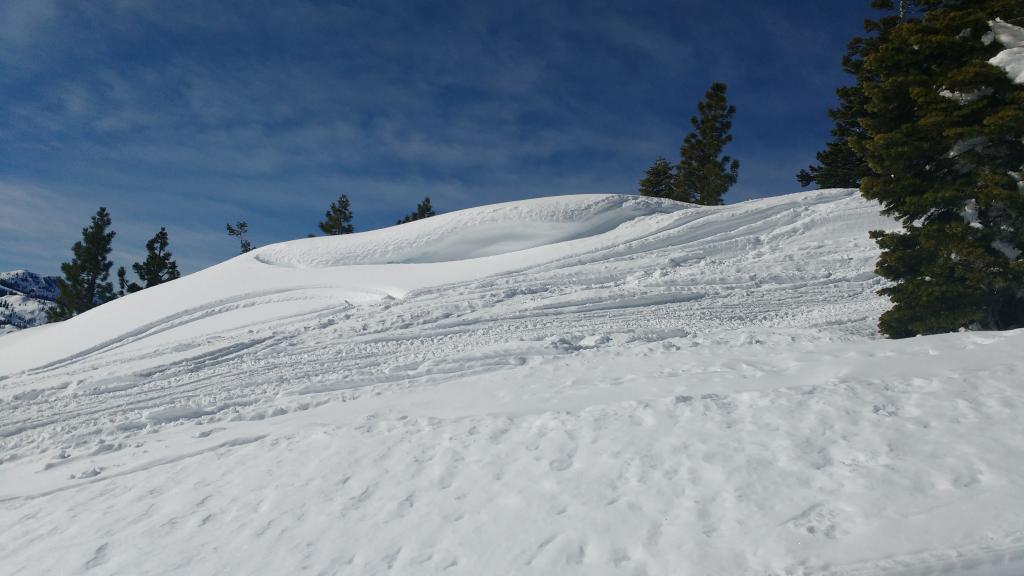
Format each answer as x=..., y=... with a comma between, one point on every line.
x=841, y=164
x=423, y=210
x=239, y=231
x=946, y=150
x=86, y=282
x=704, y=175
x=658, y=180
x=338, y=219
x=158, y=267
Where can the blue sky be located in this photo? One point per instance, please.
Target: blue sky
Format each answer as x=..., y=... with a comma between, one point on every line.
x=209, y=112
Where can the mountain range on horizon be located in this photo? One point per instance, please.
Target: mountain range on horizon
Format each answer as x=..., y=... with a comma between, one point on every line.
x=24, y=299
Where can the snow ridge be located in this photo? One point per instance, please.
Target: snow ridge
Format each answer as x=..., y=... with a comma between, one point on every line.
x=594, y=385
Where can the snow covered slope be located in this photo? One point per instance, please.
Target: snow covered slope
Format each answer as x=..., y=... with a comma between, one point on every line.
x=24, y=299
x=571, y=385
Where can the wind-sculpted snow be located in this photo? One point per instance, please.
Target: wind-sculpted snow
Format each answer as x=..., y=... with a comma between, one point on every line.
x=627, y=386
x=485, y=231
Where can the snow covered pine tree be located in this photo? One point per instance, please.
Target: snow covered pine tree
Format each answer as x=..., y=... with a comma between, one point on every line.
x=946, y=151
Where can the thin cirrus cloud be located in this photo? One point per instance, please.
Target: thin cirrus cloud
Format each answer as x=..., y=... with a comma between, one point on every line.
x=20, y=21
x=266, y=111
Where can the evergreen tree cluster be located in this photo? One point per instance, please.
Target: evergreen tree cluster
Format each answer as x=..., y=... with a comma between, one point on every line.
x=157, y=268
x=86, y=282
x=703, y=174
x=86, y=278
x=338, y=218
x=423, y=210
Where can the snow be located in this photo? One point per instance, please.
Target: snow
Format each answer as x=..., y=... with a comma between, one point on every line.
x=485, y=231
x=24, y=299
x=18, y=311
x=964, y=98
x=1012, y=58
x=569, y=385
x=25, y=282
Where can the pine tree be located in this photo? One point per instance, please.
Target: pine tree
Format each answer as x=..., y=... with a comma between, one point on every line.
x=157, y=268
x=159, y=265
x=239, y=230
x=86, y=284
x=124, y=286
x=423, y=210
x=338, y=219
x=658, y=180
x=840, y=164
x=703, y=175
x=946, y=150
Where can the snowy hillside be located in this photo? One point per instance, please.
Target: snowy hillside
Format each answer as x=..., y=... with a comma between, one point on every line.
x=570, y=385
x=24, y=299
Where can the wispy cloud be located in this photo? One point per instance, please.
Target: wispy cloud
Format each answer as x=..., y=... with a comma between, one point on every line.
x=213, y=111
x=35, y=223
x=21, y=21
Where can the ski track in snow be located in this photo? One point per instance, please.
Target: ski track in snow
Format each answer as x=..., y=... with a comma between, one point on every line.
x=696, y=391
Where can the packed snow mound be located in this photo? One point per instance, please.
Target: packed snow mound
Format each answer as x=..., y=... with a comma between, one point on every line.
x=622, y=386
x=473, y=233
x=1011, y=59
x=304, y=276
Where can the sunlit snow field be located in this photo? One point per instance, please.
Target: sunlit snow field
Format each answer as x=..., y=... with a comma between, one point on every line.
x=569, y=385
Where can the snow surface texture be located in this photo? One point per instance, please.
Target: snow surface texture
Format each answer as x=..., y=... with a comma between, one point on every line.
x=586, y=385
x=24, y=299
x=1011, y=59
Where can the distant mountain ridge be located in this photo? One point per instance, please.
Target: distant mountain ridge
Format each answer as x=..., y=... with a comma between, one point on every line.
x=24, y=299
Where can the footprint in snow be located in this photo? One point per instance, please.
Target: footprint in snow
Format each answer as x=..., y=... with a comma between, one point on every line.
x=560, y=464
x=820, y=521
x=90, y=473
